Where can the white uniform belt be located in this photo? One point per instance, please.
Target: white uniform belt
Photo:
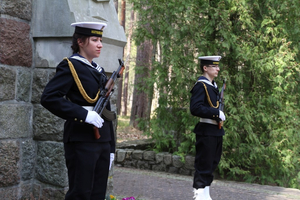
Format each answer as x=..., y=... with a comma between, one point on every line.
x=208, y=121
x=90, y=108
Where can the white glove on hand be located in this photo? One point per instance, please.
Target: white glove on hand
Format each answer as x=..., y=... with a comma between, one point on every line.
x=112, y=158
x=221, y=115
x=94, y=119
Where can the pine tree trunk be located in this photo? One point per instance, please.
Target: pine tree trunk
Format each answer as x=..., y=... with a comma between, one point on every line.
x=127, y=59
x=125, y=92
x=140, y=99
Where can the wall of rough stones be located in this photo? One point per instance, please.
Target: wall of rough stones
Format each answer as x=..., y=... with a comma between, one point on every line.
x=150, y=160
x=17, y=147
x=32, y=162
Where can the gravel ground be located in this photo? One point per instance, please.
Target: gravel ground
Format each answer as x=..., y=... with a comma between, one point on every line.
x=149, y=185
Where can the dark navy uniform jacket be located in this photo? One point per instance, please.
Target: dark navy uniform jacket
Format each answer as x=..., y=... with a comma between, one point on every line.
x=61, y=97
x=200, y=107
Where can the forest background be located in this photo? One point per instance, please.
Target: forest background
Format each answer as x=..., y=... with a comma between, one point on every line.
x=259, y=44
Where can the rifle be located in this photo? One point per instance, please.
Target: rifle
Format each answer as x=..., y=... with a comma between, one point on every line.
x=221, y=102
x=105, y=95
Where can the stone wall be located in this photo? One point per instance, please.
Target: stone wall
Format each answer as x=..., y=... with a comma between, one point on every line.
x=17, y=147
x=35, y=35
x=150, y=160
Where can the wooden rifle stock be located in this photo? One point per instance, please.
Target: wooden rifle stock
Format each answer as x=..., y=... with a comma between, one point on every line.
x=220, y=124
x=106, y=94
x=96, y=132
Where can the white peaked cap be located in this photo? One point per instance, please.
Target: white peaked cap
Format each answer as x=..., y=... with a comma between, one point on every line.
x=89, y=28
x=212, y=58
x=90, y=25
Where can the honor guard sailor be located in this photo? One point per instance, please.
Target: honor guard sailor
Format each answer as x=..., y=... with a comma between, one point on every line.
x=204, y=103
x=71, y=95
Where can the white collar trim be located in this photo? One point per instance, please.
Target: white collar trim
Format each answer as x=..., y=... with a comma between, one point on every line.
x=208, y=82
x=85, y=61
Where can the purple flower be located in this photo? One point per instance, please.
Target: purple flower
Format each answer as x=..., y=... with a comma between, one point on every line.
x=129, y=198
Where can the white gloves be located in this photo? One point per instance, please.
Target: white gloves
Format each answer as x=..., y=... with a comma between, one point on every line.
x=112, y=158
x=94, y=119
x=221, y=115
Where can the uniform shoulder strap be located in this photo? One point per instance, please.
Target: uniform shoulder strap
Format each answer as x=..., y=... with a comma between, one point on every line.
x=79, y=85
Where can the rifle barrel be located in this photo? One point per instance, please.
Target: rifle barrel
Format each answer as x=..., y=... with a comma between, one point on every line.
x=221, y=102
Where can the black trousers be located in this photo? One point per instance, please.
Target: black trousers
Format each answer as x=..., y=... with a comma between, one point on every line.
x=88, y=168
x=208, y=155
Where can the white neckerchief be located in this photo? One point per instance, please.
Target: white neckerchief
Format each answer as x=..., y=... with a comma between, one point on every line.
x=85, y=61
x=208, y=82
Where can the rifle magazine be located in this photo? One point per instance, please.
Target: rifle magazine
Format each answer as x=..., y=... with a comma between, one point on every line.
x=108, y=115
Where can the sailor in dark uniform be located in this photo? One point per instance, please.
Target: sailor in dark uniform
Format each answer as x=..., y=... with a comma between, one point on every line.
x=204, y=103
x=71, y=95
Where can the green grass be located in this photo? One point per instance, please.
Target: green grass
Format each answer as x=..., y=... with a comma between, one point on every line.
x=123, y=121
